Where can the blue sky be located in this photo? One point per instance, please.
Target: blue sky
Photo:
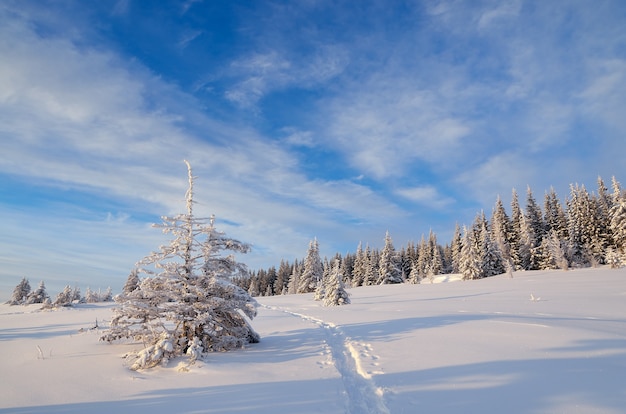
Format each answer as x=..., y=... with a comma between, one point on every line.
x=331, y=119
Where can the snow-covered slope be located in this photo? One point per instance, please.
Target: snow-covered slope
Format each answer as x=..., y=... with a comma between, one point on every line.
x=542, y=342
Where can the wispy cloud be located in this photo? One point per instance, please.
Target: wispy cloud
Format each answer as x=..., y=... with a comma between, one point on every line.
x=426, y=195
x=258, y=74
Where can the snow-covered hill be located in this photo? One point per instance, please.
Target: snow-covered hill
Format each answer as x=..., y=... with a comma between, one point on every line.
x=542, y=342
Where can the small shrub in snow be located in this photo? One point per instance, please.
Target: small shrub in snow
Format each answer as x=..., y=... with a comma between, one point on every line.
x=194, y=351
x=153, y=355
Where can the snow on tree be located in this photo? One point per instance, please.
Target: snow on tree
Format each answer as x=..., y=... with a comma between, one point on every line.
x=107, y=296
x=423, y=257
x=371, y=270
x=294, y=279
x=187, y=300
x=65, y=297
x=491, y=258
x=455, y=246
x=335, y=293
x=435, y=265
x=132, y=282
x=414, y=276
x=553, y=252
x=320, y=290
x=253, y=290
x=618, y=230
x=516, y=231
x=312, y=271
x=20, y=292
x=580, y=226
x=76, y=296
x=470, y=263
x=388, y=267
x=91, y=296
x=39, y=295
x=501, y=231
x=554, y=215
x=534, y=217
x=282, y=278
x=360, y=266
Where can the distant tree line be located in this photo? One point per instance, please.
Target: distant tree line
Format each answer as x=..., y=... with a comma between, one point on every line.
x=23, y=295
x=588, y=230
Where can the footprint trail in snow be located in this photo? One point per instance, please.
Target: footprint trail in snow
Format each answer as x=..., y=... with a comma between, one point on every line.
x=363, y=394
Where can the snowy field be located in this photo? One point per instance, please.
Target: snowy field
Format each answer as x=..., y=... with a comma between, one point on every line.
x=465, y=347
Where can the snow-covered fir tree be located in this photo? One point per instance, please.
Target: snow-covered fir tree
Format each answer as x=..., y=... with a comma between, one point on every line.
x=65, y=297
x=335, y=293
x=470, y=263
x=38, y=295
x=455, y=246
x=282, y=278
x=554, y=215
x=371, y=271
x=294, y=279
x=553, y=252
x=388, y=267
x=254, y=289
x=491, y=258
x=91, y=296
x=618, y=231
x=435, y=266
x=535, y=228
x=414, y=276
x=360, y=266
x=20, y=292
x=320, y=290
x=516, y=231
x=580, y=226
x=312, y=270
x=186, y=304
x=423, y=257
x=501, y=233
x=132, y=282
x=107, y=296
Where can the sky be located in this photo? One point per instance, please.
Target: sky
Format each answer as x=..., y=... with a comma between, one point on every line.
x=336, y=120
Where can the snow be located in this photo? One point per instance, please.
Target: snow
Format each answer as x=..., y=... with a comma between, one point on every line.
x=468, y=346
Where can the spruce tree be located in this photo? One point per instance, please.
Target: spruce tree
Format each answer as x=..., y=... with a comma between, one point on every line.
x=388, y=267
x=335, y=293
x=187, y=301
x=360, y=266
x=38, y=295
x=294, y=279
x=580, y=226
x=470, y=263
x=491, y=261
x=618, y=229
x=20, y=292
x=435, y=265
x=516, y=232
x=456, y=246
x=312, y=270
x=371, y=273
x=132, y=282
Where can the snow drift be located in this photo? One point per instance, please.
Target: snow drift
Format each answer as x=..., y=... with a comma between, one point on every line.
x=543, y=341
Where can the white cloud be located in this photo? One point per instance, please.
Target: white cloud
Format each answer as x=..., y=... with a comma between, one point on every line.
x=384, y=127
x=258, y=74
x=299, y=138
x=502, y=11
x=83, y=119
x=426, y=195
